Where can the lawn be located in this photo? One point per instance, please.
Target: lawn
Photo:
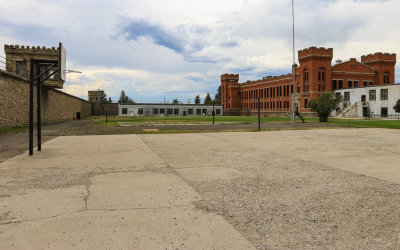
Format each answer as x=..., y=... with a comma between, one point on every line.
x=115, y=121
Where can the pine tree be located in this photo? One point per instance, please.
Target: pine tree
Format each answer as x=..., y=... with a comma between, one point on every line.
x=197, y=100
x=208, y=99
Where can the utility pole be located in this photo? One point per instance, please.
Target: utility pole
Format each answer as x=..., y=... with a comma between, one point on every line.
x=293, y=72
x=259, y=119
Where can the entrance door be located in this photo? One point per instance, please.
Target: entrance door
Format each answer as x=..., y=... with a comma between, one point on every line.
x=365, y=112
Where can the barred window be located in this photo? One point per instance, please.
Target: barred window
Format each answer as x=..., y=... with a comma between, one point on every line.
x=384, y=94
x=124, y=111
x=386, y=77
x=372, y=95
x=346, y=96
x=140, y=111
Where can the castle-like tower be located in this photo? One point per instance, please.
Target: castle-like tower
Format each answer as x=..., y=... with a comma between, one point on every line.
x=94, y=96
x=314, y=75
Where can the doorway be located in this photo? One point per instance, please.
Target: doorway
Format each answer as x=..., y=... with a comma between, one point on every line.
x=365, y=112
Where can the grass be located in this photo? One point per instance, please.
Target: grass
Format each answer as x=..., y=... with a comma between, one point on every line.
x=114, y=121
x=394, y=124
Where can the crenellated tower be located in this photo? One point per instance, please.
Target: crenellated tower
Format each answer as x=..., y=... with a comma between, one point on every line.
x=384, y=64
x=230, y=91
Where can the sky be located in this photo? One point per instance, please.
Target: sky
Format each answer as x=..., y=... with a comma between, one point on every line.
x=158, y=50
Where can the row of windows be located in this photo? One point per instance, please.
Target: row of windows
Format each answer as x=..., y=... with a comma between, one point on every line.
x=278, y=91
x=371, y=95
x=267, y=105
x=171, y=111
x=338, y=84
x=321, y=75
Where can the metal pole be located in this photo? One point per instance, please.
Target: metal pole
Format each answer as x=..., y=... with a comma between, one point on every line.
x=38, y=112
x=259, y=119
x=293, y=71
x=106, y=117
x=213, y=113
x=31, y=107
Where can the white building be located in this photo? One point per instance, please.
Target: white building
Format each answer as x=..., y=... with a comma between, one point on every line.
x=371, y=101
x=157, y=109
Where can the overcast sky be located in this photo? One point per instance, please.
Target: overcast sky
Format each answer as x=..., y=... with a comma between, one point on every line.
x=156, y=49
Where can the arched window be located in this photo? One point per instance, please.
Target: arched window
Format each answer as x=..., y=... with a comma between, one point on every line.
x=305, y=75
x=386, y=77
x=321, y=75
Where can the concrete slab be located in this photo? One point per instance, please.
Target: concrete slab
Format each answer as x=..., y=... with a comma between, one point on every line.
x=167, y=228
x=139, y=190
x=209, y=174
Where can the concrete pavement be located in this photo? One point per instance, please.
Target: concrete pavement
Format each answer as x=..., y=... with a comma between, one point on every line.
x=335, y=188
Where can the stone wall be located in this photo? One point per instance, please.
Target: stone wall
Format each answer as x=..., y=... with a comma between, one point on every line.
x=56, y=105
x=101, y=108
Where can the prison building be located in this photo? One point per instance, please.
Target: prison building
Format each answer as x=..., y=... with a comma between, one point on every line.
x=370, y=101
x=157, y=109
x=314, y=74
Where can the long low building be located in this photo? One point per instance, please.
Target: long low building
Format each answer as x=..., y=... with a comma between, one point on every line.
x=160, y=109
x=371, y=101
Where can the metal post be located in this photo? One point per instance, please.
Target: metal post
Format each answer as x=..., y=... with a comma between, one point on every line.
x=106, y=118
x=293, y=71
x=213, y=112
x=259, y=119
x=31, y=107
x=38, y=112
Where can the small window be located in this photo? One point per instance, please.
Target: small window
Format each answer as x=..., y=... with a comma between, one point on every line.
x=190, y=111
x=386, y=77
x=334, y=84
x=355, y=84
x=371, y=83
x=340, y=84
x=170, y=111
x=350, y=84
x=305, y=76
x=124, y=111
x=372, y=95
x=176, y=111
x=305, y=103
x=204, y=111
x=321, y=75
x=140, y=111
x=22, y=69
x=384, y=94
x=162, y=111
x=155, y=111
x=346, y=96
x=218, y=111
x=365, y=83
x=198, y=111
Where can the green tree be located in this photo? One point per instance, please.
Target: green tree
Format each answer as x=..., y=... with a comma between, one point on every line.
x=109, y=100
x=217, y=99
x=397, y=106
x=197, y=100
x=175, y=101
x=103, y=96
x=325, y=104
x=208, y=99
x=123, y=98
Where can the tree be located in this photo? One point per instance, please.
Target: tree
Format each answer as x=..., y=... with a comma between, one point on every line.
x=175, y=101
x=397, y=106
x=123, y=98
x=208, y=99
x=103, y=96
x=217, y=99
x=197, y=100
x=109, y=100
x=325, y=104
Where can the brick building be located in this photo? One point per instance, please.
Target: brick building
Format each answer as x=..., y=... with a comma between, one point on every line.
x=314, y=74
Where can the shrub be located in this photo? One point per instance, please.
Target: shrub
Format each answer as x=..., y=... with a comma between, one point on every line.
x=325, y=104
x=397, y=106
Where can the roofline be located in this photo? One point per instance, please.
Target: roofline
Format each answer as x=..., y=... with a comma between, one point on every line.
x=171, y=104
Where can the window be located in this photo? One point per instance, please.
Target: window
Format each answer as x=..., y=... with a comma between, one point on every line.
x=162, y=111
x=365, y=83
x=321, y=75
x=355, y=84
x=204, y=111
x=386, y=77
x=124, y=111
x=176, y=111
x=305, y=88
x=333, y=84
x=140, y=111
x=305, y=76
x=346, y=96
x=22, y=69
x=170, y=111
x=198, y=111
x=298, y=88
x=384, y=112
x=371, y=83
x=218, y=111
x=190, y=111
x=350, y=84
x=340, y=84
x=291, y=88
x=305, y=103
x=372, y=95
x=353, y=67
x=155, y=111
x=384, y=94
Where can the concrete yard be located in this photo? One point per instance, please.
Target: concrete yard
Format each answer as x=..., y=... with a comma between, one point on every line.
x=295, y=189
